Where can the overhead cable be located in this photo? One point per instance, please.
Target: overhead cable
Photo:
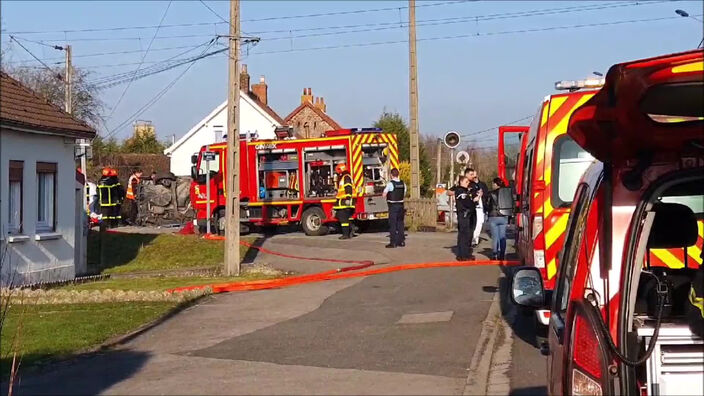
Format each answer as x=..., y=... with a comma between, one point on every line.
x=119, y=100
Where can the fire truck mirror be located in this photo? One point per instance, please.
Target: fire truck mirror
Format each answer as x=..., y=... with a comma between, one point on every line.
x=194, y=159
x=527, y=288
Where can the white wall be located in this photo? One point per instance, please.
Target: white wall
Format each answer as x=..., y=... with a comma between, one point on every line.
x=252, y=119
x=31, y=260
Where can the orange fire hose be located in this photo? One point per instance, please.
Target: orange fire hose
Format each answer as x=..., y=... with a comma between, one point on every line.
x=332, y=275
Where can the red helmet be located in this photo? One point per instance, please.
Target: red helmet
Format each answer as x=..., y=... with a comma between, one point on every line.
x=341, y=168
x=113, y=172
x=106, y=171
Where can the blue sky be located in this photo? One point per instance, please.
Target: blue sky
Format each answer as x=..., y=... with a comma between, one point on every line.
x=507, y=61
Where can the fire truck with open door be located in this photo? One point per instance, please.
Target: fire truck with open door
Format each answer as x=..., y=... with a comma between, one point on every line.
x=621, y=322
x=292, y=181
x=512, y=150
x=551, y=164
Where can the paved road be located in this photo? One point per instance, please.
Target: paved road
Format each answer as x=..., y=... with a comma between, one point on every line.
x=409, y=332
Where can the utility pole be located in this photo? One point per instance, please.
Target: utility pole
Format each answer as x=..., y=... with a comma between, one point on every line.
x=68, y=107
x=439, y=163
x=67, y=81
x=232, y=206
x=413, y=88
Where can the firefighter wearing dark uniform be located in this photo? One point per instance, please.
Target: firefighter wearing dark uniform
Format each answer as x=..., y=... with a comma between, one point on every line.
x=110, y=194
x=466, y=219
x=394, y=192
x=344, y=205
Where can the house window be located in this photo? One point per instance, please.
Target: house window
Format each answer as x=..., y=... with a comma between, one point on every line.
x=46, y=196
x=14, y=217
x=218, y=132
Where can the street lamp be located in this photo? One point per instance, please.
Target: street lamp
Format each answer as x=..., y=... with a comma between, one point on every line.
x=685, y=14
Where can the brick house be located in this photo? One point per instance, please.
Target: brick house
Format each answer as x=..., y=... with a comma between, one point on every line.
x=309, y=119
x=41, y=201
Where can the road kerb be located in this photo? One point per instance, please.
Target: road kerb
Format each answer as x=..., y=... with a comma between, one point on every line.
x=480, y=364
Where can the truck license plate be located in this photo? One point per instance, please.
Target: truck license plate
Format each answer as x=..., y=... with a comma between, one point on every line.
x=383, y=215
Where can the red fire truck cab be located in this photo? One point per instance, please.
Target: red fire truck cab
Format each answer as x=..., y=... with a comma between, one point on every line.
x=620, y=322
x=292, y=181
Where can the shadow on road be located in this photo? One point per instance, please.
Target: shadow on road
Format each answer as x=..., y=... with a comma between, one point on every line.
x=529, y=391
x=84, y=375
x=526, y=378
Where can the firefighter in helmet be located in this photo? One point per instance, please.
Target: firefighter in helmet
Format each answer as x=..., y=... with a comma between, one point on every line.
x=344, y=206
x=110, y=195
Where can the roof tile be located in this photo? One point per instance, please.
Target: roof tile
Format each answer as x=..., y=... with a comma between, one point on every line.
x=22, y=107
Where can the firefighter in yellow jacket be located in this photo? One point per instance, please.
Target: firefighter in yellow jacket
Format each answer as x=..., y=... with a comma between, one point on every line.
x=110, y=195
x=344, y=206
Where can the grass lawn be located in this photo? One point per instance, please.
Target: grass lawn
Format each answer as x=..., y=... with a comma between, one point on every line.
x=125, y=253
x=164, y=283
x=52, y=331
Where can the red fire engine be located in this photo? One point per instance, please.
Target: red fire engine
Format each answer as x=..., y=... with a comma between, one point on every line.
x=292, y=181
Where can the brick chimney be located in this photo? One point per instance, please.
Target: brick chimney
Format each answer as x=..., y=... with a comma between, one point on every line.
x=244, y=79
x=259, y=90
x=307, y=95
x=320, y=104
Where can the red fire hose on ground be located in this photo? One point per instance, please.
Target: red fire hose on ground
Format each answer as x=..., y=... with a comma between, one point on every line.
x=340, y=273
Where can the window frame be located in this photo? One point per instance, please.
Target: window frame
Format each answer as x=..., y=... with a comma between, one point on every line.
x=574, y=236
x=43, y=168
x=15, y=174
x=557, y=202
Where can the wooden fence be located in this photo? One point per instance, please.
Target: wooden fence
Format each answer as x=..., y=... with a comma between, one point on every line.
x=421, y=214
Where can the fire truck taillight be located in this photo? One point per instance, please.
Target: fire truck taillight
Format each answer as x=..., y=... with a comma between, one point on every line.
x=586, y=359
x=537, y=225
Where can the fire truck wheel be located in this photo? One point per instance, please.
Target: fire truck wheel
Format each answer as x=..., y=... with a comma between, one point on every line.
x=220, y=222
x=312, y=222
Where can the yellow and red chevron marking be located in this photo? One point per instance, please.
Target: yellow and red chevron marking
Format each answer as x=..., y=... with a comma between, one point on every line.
x=356, y=167
x=555, y=119
x=356, y=154
x=674, y=258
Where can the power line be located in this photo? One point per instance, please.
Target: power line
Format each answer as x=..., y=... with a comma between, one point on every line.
x=214, y=13
x=390, y=25
x=154, y=64
x=119, y=28
x=42, y=42
x=159, y=70
x=396, y=25
x=472, y=18
x=471, y=35
x=156, y=98
x=277, y=18
x=56, y=47
x=166, y=11
x=496, y=127
x=112, y=53
x=58, y=75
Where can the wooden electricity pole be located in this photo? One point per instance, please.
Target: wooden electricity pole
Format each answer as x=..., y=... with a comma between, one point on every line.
x=413, y=88
x=439, y=163
x=232, y=206
x=68, y=76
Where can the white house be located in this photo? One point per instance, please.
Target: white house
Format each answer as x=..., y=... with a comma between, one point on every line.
x=39, y=214
x=256, y=117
